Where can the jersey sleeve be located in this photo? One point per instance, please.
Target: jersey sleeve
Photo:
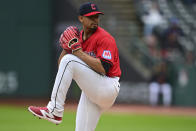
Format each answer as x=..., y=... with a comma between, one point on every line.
x=106, y=50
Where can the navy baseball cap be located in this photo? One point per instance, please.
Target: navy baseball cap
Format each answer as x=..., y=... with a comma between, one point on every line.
x=88, y=9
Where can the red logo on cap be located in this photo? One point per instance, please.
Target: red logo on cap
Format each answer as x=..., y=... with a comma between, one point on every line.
x=93, y=6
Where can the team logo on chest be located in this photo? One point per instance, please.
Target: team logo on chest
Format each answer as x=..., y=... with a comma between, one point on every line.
x=91, y=54
x=107, y=54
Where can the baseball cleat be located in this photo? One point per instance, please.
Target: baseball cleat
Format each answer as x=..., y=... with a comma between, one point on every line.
x=43, y=113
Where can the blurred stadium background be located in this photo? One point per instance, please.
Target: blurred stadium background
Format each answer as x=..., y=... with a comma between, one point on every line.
x=29, y=48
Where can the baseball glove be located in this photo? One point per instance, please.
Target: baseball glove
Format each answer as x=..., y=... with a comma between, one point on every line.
x=69, y=39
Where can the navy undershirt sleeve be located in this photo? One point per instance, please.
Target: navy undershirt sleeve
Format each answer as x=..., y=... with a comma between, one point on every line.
x=106, y=66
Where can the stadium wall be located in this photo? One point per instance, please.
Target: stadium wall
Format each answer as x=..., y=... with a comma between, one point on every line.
x=25, y=48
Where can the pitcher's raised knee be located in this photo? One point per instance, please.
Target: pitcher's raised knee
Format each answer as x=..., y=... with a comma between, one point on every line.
x=69, y=57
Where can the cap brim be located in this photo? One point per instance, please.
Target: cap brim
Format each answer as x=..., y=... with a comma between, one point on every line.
x=94, y=13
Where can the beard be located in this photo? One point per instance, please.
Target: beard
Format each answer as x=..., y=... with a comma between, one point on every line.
x=94, y=28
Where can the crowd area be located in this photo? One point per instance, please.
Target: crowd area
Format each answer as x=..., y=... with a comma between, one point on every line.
x=162, y=37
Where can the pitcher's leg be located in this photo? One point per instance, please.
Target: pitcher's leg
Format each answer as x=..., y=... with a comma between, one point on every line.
x=62, y=82
x=88, y=114
x=100, y=89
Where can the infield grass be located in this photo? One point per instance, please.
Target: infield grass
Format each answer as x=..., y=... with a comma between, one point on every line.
x=19, y=119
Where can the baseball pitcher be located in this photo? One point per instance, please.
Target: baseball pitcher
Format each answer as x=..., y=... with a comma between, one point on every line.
x=91, y=58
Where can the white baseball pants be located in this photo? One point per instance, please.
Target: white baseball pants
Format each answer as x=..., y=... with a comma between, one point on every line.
x=98, y=92
x=156, y=88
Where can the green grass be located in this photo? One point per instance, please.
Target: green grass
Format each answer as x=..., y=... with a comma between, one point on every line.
x=19, y=119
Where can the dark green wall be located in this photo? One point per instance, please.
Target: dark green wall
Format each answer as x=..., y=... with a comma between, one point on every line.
x=185, y=92
x=25, y=47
